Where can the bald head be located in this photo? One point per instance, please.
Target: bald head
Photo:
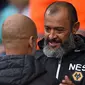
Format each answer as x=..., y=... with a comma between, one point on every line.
x=16, y=31
x=18, y=26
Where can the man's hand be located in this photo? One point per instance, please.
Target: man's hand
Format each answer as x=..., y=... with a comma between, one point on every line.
x=66, y=81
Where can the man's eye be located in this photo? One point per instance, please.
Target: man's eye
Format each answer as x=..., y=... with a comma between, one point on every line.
x=47, y=29
x=59, y=29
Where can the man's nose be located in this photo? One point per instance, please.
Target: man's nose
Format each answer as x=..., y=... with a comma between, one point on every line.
x=52, y=34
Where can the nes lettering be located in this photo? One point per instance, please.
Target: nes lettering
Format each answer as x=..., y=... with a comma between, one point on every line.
x=77, y=67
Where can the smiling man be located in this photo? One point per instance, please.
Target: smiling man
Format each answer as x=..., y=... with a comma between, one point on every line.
x=64, y=50
x=59, y=29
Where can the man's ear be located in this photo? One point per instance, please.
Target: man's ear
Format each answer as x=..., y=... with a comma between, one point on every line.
x=31, y=41
x=76, y=27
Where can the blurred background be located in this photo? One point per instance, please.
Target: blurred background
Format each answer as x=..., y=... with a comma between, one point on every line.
x=35, y=10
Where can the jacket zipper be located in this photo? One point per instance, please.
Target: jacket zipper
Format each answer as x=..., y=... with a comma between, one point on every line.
x=58, y=69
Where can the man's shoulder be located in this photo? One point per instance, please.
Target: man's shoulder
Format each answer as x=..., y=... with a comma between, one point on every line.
x=16, y=66
x=13, y=67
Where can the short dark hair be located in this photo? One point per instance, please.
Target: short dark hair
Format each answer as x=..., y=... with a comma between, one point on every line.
x=55, y=7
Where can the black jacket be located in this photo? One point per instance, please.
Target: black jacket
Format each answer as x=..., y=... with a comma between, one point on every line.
x=72, y=64
x=23, y=70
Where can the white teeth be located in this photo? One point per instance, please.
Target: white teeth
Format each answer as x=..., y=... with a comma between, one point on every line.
x=54, y=44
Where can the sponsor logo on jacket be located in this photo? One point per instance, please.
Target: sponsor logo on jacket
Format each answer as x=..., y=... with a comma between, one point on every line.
x=77, y=67
x=77, y=76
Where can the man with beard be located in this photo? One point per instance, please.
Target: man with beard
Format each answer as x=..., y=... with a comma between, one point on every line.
x=64, y=50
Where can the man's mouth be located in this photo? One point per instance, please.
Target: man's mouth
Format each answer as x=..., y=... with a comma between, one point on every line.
x=54, y=44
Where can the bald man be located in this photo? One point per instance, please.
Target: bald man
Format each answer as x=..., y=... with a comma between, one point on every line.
x=18, y=66
x=19, y=35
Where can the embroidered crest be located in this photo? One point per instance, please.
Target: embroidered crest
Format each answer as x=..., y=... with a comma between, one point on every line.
x=77, y=76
